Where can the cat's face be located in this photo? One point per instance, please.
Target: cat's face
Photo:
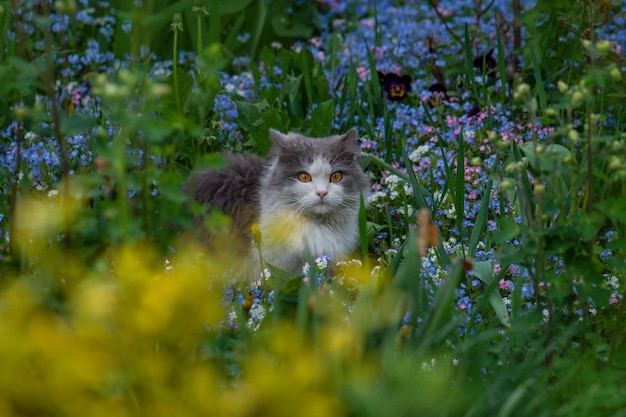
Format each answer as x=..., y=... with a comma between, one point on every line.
x=319, y=188
x=314, y=176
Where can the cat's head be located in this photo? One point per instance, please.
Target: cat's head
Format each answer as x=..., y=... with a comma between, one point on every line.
x=314, y=176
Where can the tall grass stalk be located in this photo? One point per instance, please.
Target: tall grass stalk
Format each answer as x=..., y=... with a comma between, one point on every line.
x=176, y=27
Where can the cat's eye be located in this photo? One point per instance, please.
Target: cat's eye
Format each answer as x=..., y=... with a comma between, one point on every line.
x=304, y=177
x=336, y=176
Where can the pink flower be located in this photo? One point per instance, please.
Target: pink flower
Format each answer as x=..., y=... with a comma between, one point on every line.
x=337, y=23
x=368, y=22
x=617, y=48
x=76, y=96
x=363, y=72
x=613, y=300
x=505, y=285
x=496, y=269
x=316, y=41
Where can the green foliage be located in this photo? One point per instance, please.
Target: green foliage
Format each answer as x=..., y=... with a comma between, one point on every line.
x=261, y=22
x=297, y=98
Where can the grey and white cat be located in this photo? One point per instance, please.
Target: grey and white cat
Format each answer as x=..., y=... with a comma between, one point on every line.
x=304, y=197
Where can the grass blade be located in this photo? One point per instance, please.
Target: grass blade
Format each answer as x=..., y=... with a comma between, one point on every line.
x=539, y=87
x=481, y=220
x=459, y=188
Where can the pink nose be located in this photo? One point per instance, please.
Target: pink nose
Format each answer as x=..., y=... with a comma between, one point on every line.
x=322, y=194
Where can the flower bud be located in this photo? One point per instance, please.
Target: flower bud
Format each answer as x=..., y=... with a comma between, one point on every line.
x=603, y=46
x=511, y=167
x=507, y=185
x=614, y=163
x=21, y=112
x=521, y=91
x=561, y=86
x=577, y=97
x=177, y=23
x=616, y=74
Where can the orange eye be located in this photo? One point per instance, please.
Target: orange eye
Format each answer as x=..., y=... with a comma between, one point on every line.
x=336, y=176
x=304, y=177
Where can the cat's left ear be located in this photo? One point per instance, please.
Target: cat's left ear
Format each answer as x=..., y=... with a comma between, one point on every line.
x=349, y=142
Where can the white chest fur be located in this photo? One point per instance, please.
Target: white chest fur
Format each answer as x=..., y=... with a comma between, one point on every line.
x=289, y=240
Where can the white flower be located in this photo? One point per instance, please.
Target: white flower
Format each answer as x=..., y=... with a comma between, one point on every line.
x=53, y=193
x=322, y=262
x=419, y=153
x=267, y=274
x=393, y=180
x=410, y=211
x=168, y=265
x=257, y=314
x=375, y=273
x=378, y=195
x=468, y=134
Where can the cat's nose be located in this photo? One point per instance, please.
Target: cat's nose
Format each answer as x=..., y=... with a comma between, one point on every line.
x=322, y=194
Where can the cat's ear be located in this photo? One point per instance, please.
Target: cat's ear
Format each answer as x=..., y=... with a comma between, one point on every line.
x=349, y=142
x=279, y=141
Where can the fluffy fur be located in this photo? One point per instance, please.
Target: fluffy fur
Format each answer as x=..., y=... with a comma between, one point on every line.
x=304, y=196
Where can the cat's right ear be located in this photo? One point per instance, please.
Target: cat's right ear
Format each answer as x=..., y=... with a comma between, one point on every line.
x=279, y=141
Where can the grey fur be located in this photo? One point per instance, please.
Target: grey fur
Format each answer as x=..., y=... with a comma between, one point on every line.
x=267, y=191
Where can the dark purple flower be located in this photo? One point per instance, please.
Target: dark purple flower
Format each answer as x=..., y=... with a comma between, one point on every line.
x=486, y=63
x=474, y=110
x=396, y=86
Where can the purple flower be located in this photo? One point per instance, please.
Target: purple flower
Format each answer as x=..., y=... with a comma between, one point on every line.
x=396, y=86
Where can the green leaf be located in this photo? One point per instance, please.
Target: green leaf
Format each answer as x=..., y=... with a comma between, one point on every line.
x=539, y=88
x=222, y=7
x=185, y=84
x=322, y=118
x=508, y=229
x=483, y=271
x=73, y=124
x=283, y=281
x=551, y=158
x=285, y=27
x=480, y=223
x=249, y=114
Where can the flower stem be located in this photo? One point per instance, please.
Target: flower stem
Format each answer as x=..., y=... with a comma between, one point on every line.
x=176, y=26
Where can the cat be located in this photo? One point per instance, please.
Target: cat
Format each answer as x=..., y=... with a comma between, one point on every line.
x=304, y=197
